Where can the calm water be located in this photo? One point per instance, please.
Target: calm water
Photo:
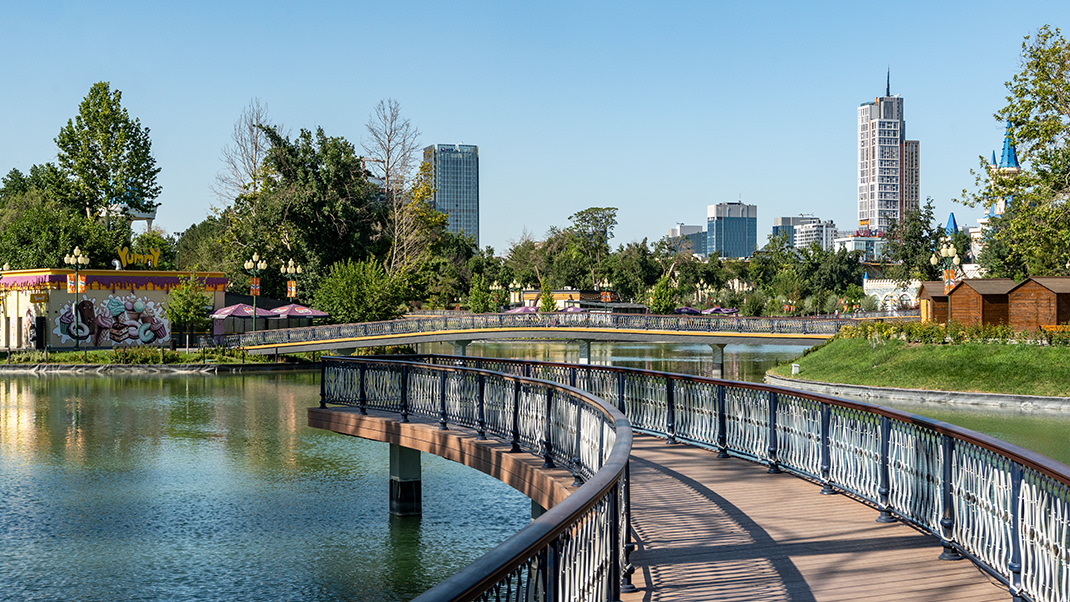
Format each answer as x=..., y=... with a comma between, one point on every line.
x=212, y=488
x=193, y=488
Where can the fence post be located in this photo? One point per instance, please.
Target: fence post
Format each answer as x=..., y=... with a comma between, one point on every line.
x=884, y=488
x=323, y=382
x=774, y=465
x=404, y=393
x=442, y=401
x=620, y=393
x=947, y=522
x=481, y=405
x=722, y=423
x=577, y=459
x=615, y=511
x=515, y=447
x=547, y=444
x=362, y=391
x=1015, y=565
x=670, y=406
x=627, y=586
x=826, y=452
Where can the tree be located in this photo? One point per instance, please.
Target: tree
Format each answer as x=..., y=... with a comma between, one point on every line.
x=188, y=306
x=392, y=146
x=414, y=226
x=1035, y=230
x=360, y=291
x=479, y=299
x=201, y=246
x=108, y=155
x=156, y=239
x=243, y=159
x=910, y=244
x=546, y=297
x=593, y=227
x=663, y=296
x=37, y=231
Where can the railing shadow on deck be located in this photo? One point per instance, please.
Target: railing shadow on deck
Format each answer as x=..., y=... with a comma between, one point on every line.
x=1005, y=508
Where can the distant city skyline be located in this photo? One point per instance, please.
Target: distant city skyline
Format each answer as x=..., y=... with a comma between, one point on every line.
x=573, y=105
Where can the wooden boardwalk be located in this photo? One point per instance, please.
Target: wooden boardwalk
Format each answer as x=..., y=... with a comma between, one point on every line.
x=723, y=529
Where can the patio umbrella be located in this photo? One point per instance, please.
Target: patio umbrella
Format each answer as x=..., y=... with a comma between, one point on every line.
x=294, y=310
x=572, y=309
x=240, y=310
x=691, y=311
x=523, y=309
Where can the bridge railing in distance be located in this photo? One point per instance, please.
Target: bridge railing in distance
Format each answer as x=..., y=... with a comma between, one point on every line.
x=577, y=549
x=549, y=320
x=1004, y=507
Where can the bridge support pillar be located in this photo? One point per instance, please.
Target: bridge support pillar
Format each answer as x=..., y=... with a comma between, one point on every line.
x=345, y=352
x=585, y=352
x=405, y=493
x=461, y=347
x=536, y=510
x=718, y=360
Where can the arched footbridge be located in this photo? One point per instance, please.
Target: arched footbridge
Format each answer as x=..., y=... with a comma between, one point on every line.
x=732, y=508
x=716, y=331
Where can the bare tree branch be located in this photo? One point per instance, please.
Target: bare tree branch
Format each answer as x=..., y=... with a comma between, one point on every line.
x=392, y=147
x=243, y=159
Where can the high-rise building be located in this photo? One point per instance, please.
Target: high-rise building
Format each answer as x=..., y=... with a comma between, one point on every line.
x=694, y=236
x=455, y=176
x=785, y=226
x=732, y=229
x=887, y=164
x=823, y=233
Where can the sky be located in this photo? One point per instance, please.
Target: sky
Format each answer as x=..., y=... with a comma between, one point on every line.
x=657, y=109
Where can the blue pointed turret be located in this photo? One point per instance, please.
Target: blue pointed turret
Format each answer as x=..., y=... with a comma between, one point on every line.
x=952, y=225
x=994, y=164
x=1010, y=156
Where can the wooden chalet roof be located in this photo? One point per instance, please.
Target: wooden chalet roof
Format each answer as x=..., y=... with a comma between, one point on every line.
x=931, y=288
x=1055, y=284
x=988, y=286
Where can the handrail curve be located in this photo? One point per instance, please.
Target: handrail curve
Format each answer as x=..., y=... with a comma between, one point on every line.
x=1005, y=508
x=578, y=547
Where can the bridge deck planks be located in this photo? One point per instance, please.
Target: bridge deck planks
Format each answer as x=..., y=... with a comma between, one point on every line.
x=723, y=529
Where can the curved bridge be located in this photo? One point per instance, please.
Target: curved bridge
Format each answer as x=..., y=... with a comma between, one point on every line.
x=1004, y=508
x=710, y=330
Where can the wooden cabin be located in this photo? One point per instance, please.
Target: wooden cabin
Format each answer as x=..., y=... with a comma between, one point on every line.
x=1040, y=301
x=980, y=301
x=933, y=301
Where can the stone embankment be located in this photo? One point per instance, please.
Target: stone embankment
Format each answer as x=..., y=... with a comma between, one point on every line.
x=155, y=369
x=888, y=395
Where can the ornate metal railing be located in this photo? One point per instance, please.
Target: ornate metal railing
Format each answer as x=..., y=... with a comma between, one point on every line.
x=577, y=549
x=548, y=321
x=1005, y=508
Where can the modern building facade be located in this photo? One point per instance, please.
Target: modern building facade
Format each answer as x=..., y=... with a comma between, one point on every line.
x=455, y=173
x=694, y=236
x=822, y=233
x=732, y=229
x=888, y=174
x=785, y=226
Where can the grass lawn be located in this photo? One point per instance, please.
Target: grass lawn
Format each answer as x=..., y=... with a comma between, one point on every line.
x=1015, y=369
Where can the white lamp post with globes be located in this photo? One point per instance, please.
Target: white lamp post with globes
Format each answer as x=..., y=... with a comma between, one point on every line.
x=76, y=260
x=254, y=266
x=949, y=259
x=289, y=269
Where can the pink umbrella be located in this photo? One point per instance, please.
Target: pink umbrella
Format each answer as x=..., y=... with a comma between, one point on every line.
x=240, y=310
x=294, y=310
x=523, y=309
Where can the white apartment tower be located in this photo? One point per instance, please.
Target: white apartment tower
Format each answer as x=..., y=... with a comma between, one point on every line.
x=887, y=163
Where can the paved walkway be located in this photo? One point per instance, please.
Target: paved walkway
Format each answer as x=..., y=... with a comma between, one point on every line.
x=723, y=529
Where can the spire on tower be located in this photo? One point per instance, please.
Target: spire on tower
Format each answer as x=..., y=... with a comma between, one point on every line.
x=888, y=85
x=1010, y=156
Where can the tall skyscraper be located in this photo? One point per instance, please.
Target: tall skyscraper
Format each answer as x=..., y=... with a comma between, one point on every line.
x=785, y=226
x=887, y=163
x=732, y=229
x=455, y=173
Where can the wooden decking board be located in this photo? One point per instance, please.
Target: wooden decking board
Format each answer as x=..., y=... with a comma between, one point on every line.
x=722, y=529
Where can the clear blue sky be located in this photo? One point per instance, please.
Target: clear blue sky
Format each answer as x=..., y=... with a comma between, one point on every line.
x=659, y=109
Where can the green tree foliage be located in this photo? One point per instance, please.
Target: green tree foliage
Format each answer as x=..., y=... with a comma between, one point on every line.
x=479, y=299
x=910, y=244
x=1034, y=235
x=546, y=298
x=632, y=270
x=663, y=296
x=36, y=231
x=360, y=291
x=201, y=247
x=156, y=238
x=188, y=306
x=591, y=232
x=107, y=155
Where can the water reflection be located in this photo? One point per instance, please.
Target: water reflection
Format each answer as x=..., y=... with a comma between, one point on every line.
x=212, y=488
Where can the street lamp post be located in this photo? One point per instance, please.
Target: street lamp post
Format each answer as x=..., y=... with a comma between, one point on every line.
x=519, y=293
x=253, y=267
x=289, y=269
x=949, y=260
x=77, y=260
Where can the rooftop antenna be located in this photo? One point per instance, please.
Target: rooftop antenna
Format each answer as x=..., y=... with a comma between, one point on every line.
x=888, y=86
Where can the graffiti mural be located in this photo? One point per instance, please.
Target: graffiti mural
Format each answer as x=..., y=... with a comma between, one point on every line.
x=117, y=320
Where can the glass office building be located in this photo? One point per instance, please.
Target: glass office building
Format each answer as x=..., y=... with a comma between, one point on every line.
x=732, y=229
x=455, y=173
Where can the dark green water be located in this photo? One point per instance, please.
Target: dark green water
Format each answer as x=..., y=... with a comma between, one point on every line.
x=193, y=488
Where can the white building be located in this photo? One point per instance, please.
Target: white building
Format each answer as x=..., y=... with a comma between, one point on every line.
x=887, y=164
x=823, y=233
x=872, y=247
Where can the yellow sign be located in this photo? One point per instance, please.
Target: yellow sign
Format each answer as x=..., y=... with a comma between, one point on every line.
x=38, y=297
x=150, y=259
